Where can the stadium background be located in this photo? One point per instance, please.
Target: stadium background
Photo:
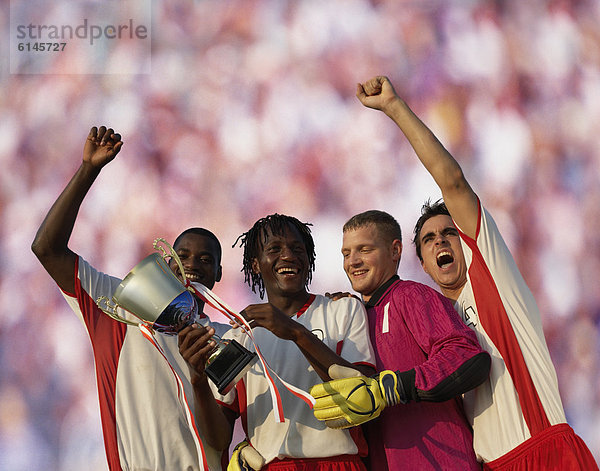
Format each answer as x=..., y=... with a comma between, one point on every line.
x=249, y=109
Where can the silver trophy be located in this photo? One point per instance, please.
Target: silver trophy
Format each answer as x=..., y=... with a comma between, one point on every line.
x=153, y=294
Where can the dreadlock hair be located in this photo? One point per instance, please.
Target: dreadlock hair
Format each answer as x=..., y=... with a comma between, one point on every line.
x=428, y=210
x=253, y=241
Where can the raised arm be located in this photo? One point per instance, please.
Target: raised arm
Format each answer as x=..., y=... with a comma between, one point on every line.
x=461, y=201
x=50, y=243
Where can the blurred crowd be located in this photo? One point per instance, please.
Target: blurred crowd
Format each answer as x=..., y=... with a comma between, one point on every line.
x=250, y=109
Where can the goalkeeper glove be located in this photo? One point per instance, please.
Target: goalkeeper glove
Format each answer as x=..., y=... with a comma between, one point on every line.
x=347, y=402
x=245, y=458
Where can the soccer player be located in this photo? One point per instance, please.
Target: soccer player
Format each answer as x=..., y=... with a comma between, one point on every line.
x=426, y=357
x=143, y=423
x=300, y=335
x=517, y=415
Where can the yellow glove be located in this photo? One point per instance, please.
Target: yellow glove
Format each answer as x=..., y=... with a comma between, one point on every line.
x=347, y=402
x=245, y=458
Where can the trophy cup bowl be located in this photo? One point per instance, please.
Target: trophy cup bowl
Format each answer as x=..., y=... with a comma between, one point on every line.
x=153, y=294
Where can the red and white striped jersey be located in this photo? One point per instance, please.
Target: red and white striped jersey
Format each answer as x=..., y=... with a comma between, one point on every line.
x=342, y=326
x=521, y=397
x=143, y=419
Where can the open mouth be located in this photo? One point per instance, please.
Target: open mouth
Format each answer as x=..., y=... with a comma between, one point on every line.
x=193, y=277
x=288, y=271
x=444, y=259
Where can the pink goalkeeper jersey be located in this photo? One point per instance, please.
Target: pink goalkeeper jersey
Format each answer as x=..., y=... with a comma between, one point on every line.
x=521, y=397
x=413, y=326
x=143, y=421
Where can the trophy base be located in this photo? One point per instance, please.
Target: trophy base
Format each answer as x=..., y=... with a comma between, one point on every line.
x=229, y=366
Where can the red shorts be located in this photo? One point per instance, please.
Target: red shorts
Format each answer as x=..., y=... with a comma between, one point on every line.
x=557, y=448
x=332, y=463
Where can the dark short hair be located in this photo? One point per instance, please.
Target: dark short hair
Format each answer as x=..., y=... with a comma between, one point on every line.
x=428, y=210
x=385, y=223
x=253, y=240
x=201, y=232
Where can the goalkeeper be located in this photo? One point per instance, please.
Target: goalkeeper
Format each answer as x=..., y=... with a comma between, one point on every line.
x=426, y=355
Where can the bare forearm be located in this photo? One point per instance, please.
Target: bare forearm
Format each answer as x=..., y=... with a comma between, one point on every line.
x=57, y=227
x=216, y=426
x=321, y=357
x=50, y=243
x=461, y=201
x=433, y=155
x=458, y=195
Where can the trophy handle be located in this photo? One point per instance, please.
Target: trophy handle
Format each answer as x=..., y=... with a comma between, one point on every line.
x=111, y=310
x=170, y=253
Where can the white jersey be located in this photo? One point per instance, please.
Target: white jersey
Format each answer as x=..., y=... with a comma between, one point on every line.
x=342, y=326
x=521, y=397
x=143, y=421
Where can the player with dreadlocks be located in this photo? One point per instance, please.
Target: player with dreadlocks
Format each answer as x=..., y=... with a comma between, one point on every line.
x=300, y=335
x=253, y=240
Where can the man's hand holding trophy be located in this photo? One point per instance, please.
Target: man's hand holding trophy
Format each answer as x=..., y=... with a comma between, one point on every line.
x=156, y=298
